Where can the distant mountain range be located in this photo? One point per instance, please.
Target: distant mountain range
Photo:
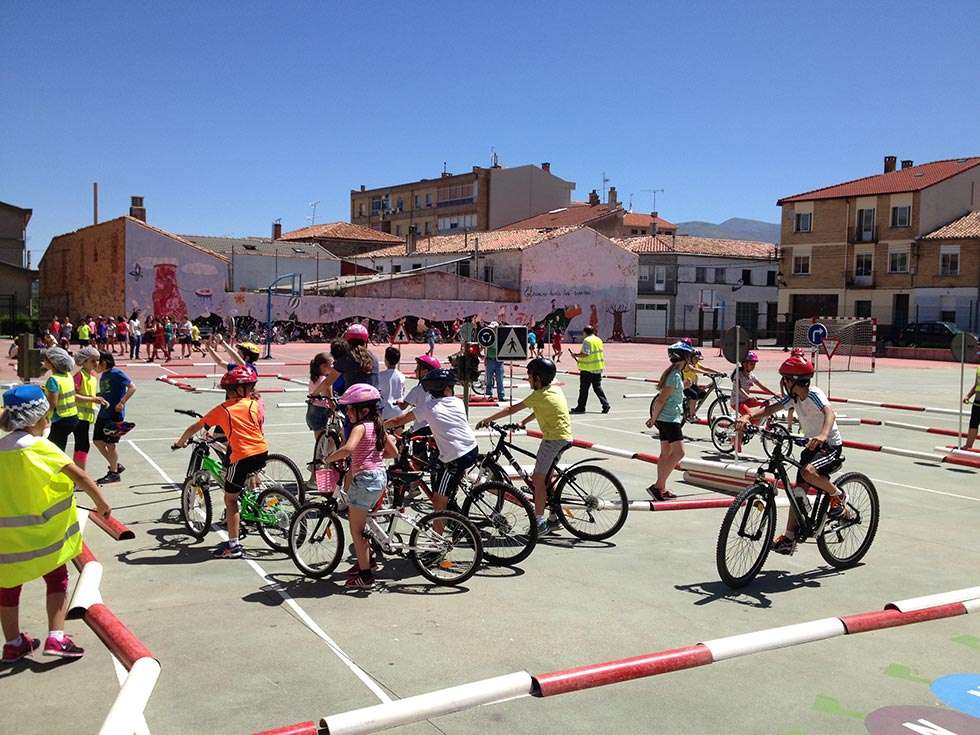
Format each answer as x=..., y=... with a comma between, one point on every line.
x=734, y=228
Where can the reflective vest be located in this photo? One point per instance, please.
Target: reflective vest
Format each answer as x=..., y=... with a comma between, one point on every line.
x=595, y=361
x=38, y=521
x=65, y=406
x=87, y=385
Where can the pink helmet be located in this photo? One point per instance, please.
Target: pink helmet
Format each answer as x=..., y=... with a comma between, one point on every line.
x=430, y=361
x=688, y=340
x=751, y=356
x=356, y=331
x=360, y=393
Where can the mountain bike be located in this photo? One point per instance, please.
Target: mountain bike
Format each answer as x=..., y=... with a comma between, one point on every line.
x=443, y=545
x=724, y=435
x=271, y=496
x=746, y=533
x=589, y=501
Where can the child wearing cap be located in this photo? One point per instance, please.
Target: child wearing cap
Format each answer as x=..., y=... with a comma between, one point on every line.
x=39, y=530
x=88, y=401
x=59, y=390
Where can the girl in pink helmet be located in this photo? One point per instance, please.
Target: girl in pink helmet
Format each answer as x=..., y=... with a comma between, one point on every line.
x=742, y=383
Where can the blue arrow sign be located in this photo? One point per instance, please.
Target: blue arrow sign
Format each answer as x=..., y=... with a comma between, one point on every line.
x=816, y=334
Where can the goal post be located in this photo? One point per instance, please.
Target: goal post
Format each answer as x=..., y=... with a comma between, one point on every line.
x=858, y=340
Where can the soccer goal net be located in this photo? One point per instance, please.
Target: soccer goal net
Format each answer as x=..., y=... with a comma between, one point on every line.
x=858, y=340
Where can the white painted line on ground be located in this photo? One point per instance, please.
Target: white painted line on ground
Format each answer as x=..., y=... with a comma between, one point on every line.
x=290, y=602
x=925, y=489
x=173, y=437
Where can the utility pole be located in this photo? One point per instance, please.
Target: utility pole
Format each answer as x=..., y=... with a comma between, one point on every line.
x=95, y=202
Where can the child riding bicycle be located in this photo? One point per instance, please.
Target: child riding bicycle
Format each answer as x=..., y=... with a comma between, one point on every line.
x=240, y=418
x=692, y=391
x=551, y=412
x=823, y=454
x=742, y=383
x=367, y=446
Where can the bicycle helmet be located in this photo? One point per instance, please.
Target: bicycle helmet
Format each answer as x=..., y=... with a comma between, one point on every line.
x=679, y=351
x=429, y=361
x=543, y=369
x=751, y=356
x=356, y=332
x=688, y=341
x=436, y=381
x=796, y=368
x=238, y=375
x=360, y=393
x=797, y=352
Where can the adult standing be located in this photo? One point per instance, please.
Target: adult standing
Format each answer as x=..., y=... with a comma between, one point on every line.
x=66, y=329
x=974, y=392
x=591, y=362
x=494, y=370
x=135, y=336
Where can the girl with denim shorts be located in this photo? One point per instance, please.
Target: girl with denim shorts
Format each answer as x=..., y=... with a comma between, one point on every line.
x=367, y=446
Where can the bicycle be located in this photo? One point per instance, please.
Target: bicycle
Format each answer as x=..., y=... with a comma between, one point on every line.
x=724, y=435
x=504, y=518
x=443, y=545
x=746, y=533
x=589, y=501
x=721, y=403
x=267, y=502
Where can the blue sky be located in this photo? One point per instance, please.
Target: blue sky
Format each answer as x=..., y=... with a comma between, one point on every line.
x=227, y=115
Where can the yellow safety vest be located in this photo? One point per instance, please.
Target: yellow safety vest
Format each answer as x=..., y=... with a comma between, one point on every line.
x=65, y=406
x=38, y=521
x=595, y=361
x=89, y=387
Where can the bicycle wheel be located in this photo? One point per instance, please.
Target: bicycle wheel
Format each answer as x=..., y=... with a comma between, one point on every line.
x=723, y=434
x=328, y=442
x=718, y=407
x=448, y=556
x=505, y=520
x=844, y=543
x=784, y=441
x=275, y=509
x=316, y=540
x=746, y=536
x=195, y=504
x=590, y=502
x=282, y=471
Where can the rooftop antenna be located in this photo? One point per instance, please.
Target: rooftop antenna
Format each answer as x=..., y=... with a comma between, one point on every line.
x=631, y=203
x=312, y=217
x=493, y=158
x=654, y=192
x=444, y=167
x=604, y=182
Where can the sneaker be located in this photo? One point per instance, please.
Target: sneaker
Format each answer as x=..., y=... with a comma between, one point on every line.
x=119, y=468
x=838, y=510
x=16, y=651
x=225, y=550
x=110, y=477
x=577, y=410
x=65, y=648
x=784, y=545
x=355, y=569
x=553, y=519
x=544, y=527
x=605, y=409
x=360, y=581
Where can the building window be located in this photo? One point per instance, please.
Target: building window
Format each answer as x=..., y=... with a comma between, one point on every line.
x=747, y=314
x=416, y=266
x=417, y=199
x=862, y=309
x=863, y=264
x=719, y=275
x=898, y=262
x=947, y=315
x=457, y=222
x=770, y=278
x=426, y=228
x=901, y=216
x=488, y=272
x=635, y=231
x=360, y=209
x=428, y=200
x=399, y=204
x=746, y=276
x=804, y=222
x=398, y=229
x=463, y=268
x=644, y=273
x=380, y=269
x=396, y=269
x=700, y=275
x=375, y=204
x=801, y=265
x=660, y=278
x=450, y=196
x=949, y=260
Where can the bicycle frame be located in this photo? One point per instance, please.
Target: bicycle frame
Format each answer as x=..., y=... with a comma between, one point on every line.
x=810, y=517
x=505, y=448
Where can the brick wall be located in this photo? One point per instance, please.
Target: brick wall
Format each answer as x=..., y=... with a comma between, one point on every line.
x=83, y=272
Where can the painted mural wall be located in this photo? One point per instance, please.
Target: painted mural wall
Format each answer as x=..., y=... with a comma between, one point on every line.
x=582, y=273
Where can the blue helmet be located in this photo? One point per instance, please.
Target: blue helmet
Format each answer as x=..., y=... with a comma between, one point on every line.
x=680, y=351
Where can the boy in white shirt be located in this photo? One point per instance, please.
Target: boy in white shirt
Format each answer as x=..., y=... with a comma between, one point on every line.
x=391, y=384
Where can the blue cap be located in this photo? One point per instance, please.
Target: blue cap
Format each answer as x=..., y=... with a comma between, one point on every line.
x=22, y=395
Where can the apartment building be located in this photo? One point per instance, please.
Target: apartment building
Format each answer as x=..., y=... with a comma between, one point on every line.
x=862, y=247
x=607, y=217
x=482, y=199
x=13, y=235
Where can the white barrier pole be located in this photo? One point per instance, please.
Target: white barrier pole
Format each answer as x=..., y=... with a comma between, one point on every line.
x=127, y=711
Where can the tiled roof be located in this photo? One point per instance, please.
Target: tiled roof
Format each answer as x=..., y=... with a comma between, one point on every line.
x=258, y=246
x=913, y=178
x=635, y=219
x=575, y=214
x=688, y=245
x=492, y=241
x=964, y=227
x=340, y=231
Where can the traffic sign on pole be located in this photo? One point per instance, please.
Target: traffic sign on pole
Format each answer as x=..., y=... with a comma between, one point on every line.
x=735, y=344
x=511, y=342
x=816, y=334
x=487, y=336
x=830, y=345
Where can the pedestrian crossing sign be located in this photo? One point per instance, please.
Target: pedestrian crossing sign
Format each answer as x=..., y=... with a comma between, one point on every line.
x=511, y=342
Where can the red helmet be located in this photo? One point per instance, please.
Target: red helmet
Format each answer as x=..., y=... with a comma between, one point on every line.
x=356, y=331
x=797, y=352
x=239, y=375
x=796, y=367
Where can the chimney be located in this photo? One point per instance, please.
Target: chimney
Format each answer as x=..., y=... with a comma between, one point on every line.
x=411, y=240
x=593, y=198
x=136, y=208
x=362, y=187
x=653, y=223
x=546, y=167
x=276, y=229
x=906, y=163
x=613, y=202
x=890, y=164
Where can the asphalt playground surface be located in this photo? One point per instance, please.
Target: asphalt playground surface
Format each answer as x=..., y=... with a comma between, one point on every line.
x=236, y=657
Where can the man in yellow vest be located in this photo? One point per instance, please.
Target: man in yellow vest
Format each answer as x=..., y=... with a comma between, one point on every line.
x=591, y=362
x=38, y=521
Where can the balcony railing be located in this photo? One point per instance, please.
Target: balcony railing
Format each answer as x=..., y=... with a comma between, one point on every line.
x=867, y=281
x=863, y=234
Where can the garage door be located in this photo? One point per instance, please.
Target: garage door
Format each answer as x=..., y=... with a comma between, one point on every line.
x=651, y=320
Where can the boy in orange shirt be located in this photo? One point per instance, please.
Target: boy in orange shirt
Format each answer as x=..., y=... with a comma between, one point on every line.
x=240, y=417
